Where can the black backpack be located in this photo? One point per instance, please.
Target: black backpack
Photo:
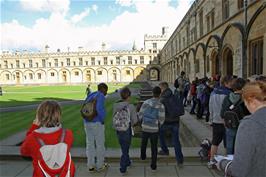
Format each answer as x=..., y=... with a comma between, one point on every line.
x=174, y=107
x=233, y=115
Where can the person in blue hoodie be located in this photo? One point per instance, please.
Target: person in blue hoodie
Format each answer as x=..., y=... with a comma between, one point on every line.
x=94, y=130
x=215, y=106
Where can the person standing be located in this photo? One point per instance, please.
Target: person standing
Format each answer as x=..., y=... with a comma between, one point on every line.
x=217, y=123
x=124, y=116
x=200, y=89
x=152, y=114
x=250, y=145
x=193, y=92
x=171, y=123
x=233, y=102
x=88, y=89
x=47, y=135
x=180, y=83
x=94, y=130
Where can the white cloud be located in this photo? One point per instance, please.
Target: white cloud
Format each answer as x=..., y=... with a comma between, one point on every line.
x=94, y=7
x=78, y=17
x=125, y=3
x=60, y=32
x=61, y=6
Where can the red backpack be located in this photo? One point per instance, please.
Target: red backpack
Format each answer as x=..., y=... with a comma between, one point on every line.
x=193, y=91
x=55, y=160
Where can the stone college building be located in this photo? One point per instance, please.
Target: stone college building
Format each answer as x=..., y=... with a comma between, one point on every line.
x=225, y=37
x=84, y=66
x=217, y=37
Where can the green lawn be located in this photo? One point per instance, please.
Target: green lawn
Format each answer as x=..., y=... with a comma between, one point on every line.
x=11, y=123
x=24, y=95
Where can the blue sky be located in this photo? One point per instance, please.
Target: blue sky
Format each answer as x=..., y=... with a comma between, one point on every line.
x=13, y=10
x=31, y=24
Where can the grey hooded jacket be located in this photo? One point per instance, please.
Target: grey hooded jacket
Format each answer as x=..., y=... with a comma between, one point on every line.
x=250, y=147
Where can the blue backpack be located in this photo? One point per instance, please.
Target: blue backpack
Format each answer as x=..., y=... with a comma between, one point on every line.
x=150, y=117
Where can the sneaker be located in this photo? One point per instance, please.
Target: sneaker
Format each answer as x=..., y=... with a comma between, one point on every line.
x=124, y=173
x=180, y=165
x=104, y=167
x=153, y=170
x=143, y=158
x=211, y=164
x=161, y=152
x=130, y=164
x=92, y=169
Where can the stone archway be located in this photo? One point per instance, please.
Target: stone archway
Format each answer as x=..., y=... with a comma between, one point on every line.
x=89, y=75
x=215, y=63
x=114, y=74
x=228, y=62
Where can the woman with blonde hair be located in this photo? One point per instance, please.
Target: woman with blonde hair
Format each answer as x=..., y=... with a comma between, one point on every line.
x=48, y=144
x=250, y=145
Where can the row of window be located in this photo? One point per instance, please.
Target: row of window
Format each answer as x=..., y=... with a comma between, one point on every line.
x=76, y=73
x=80, y=63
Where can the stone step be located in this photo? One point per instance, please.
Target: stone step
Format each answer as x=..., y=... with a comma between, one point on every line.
x=145, y=91
x=112, y=154
x=13, y=140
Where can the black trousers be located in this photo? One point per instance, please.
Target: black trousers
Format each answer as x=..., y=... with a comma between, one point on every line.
x=154, y=142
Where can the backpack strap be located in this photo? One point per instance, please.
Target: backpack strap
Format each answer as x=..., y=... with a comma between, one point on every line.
x=62, y=138
x=40, y=141
x=93, y=98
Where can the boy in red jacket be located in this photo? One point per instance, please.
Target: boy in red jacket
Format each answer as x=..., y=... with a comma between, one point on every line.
x=47, y=129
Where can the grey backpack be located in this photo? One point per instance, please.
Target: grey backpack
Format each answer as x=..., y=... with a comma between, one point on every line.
x=121, y=119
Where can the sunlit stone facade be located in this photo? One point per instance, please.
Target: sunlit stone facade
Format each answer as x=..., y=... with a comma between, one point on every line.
x=214, y=38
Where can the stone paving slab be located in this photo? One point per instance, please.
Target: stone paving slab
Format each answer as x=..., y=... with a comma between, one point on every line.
x=24, y=169
x=13, y=168
x=27, y=172
x=194, y=171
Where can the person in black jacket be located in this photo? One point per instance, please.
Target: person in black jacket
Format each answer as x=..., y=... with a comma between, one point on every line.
x=171, y=124
x=250, y=146
x=234, y=98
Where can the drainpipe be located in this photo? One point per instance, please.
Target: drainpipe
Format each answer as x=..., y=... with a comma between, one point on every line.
x=246, y=12
x=244, y=42
x=204, y=61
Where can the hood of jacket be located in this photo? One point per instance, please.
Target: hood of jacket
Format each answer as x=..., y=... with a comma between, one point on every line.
x=46, y=130
x=153, y=102
x=234, y=97
x=222, y=90
x=120, y=104
x=167, y=93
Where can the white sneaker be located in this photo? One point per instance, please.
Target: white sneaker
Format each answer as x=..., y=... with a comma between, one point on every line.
x=211, y=163
x=103, y=168
x=153, y=170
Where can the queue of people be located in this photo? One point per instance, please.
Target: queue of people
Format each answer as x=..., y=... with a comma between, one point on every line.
x=219, y=99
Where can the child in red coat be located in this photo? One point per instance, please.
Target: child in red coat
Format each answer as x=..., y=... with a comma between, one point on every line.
x=47, y=129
